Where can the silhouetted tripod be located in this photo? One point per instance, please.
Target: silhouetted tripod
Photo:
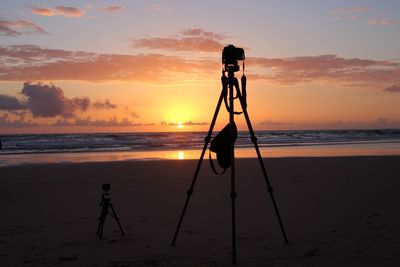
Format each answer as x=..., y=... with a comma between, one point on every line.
x=105, y=204
x=230, y=57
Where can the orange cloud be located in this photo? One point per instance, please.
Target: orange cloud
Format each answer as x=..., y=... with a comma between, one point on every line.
x=329, y=68
x=29, y=62
x=65, y=11
x=200, y=44
x=194, y=39
x=19, y=27
x=21, y=63
x=29, y=54
x=111, y=9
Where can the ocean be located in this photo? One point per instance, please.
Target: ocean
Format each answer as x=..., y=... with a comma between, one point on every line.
x=149, y=145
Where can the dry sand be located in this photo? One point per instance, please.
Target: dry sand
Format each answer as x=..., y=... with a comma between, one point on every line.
x=336, y=211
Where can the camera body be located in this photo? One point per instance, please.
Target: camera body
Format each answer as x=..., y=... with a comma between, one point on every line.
x=230, y=57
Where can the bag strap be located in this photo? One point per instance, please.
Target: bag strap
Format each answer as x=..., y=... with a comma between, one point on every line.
x=213, y=166
x=225, y=82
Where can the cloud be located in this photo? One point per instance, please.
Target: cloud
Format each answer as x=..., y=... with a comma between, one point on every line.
x=193, y=39
x=383, y=22
x=65, y=11
x=327, y=68
x=200, y=32
x=379, y=123
x=19, y=27
x=350, y=13
x=393, y=89
x=49, y=101
x=36, y=55
x=350, y=10
x=111, y=9
x=200, y=44
x=21, y=63
x=106, y=104
x=161, y=8
x=29, y=62
x=130, y=113
x=6, y=122
x=11, y=103
x=112, y=122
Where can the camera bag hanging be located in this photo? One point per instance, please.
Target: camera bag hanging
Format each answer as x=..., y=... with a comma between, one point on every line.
x=221, y=145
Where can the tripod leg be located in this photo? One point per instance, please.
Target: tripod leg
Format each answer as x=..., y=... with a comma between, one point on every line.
x=99, y=226
x=102, y=218
x=232, y=81
x=101, y=230
x=117, y=219
x=270, y=190
x=207, y=139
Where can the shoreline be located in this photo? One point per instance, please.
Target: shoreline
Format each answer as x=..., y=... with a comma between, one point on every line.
x=331, y=150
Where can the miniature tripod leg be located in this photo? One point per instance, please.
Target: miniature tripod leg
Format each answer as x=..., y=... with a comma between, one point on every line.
x=116, y=218
x=102, y=218
x=254, y=140
x=99, y=227
x=207, y=139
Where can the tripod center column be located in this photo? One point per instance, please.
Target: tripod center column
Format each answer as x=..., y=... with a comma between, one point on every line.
x=232, y=78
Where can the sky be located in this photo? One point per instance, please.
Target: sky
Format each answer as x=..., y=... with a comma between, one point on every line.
x=131, y=65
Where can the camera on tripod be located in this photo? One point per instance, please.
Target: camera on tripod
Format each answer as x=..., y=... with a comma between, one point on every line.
x=230, y=57
x=224, y=142
x=105, y=205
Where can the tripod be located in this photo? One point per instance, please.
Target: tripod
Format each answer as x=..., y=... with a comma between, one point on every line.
x=228, y=85
x=105, y=204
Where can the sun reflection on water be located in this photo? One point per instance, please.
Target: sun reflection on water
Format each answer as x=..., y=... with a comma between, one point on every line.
x=181, y=155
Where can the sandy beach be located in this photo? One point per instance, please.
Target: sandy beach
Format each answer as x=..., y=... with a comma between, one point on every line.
x=337, y=211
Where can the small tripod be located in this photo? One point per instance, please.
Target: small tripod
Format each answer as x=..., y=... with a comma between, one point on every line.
x=230, y=57
x=105, y=204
